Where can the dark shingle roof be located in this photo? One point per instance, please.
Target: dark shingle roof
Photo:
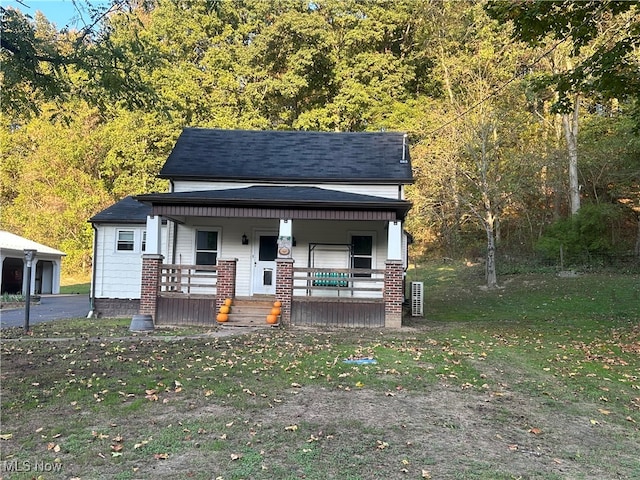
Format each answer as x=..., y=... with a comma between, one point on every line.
x=278, y=197
x=258, y=194
x=127, y=210
x=289, y=156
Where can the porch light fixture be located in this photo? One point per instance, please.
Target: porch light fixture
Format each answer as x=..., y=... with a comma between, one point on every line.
x=245, y=239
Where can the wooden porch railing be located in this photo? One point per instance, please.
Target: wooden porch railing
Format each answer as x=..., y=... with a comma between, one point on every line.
x=188, y=280
x=341, y=281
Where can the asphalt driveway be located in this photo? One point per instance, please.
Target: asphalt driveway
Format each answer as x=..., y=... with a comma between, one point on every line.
x=51, y=307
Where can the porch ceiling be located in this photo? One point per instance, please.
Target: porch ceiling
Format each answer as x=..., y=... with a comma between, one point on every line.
x=277, y=202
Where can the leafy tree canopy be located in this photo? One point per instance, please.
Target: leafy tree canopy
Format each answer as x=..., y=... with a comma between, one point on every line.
x=41, y=64
x=606, y=35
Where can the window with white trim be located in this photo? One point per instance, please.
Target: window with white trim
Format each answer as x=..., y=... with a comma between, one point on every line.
x=362, y=253
x=206, y=247
x=144, y=241
x=125, y=241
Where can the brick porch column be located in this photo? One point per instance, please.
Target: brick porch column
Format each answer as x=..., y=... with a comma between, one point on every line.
x=150, y=283
x=226, y=280
x=393, y=293
x=284, y=287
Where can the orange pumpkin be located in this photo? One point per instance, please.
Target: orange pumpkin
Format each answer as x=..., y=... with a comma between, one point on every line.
x=277, y=303
x=275, y=311
x=271, y=319
x=222, y=317
x=224, y=309
x=228, y=302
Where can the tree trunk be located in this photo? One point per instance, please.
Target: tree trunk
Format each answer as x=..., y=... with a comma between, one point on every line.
x=492, y=280
x=570, y=124
x=637, y=249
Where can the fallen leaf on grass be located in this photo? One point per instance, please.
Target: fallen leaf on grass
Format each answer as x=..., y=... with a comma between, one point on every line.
x=426, y=473
x=160, y=456
x=603, y=411
x=535, y=431
x=7, y=436
x=236, y=456
x=291, y=428
x=53, y=446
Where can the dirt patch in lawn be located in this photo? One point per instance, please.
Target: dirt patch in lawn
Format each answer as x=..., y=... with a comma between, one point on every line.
x=443, y=433
x=447, y=432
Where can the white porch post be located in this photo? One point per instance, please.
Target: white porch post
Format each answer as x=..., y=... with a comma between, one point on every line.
x=1, y=271
x=154, y=235
x=285, y=238
x=55, y=281
x=286, y=227
x=32, y=279
x=394, y=244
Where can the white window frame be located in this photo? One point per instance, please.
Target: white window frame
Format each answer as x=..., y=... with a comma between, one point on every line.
x=118, y=241
x=216, y=230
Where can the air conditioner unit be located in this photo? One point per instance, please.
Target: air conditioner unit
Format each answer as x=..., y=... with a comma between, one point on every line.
x=417, y=298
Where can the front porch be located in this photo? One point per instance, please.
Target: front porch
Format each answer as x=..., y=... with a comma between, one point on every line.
x=193, y=294
x=335, y=258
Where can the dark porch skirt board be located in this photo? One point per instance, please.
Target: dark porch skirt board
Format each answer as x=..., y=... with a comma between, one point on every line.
x=185, y=311
x=337, y=312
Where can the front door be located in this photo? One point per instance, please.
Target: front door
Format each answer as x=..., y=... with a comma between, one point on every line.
x=265, y=251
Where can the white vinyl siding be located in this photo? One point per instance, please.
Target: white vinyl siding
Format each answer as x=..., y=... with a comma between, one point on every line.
x=118, y=272
x=384, y=191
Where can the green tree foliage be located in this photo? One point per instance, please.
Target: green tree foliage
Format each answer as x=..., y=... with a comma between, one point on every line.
x=582, y=236
x=608, y=30
x=89, y=116
x=41, y=64
x=49, y=183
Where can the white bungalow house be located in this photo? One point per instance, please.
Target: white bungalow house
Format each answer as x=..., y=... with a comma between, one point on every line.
x=312, y=219
x=45, y=270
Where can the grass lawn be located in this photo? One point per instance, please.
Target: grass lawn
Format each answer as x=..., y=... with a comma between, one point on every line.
x=76, y=288
x=540, y=379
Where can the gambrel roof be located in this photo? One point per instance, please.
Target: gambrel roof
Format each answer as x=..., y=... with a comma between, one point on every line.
x=290, y=157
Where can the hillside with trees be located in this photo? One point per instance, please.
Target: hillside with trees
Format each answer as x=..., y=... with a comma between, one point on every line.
x=523, y=117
